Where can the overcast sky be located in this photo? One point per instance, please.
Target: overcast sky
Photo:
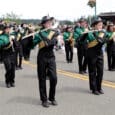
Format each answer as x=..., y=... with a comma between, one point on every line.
x=60, y=9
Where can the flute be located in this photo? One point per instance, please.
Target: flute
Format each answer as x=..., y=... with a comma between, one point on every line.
x=32, y=34
x=86, y=32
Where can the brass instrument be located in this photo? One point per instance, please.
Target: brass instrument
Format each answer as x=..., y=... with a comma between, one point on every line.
x=71, y=40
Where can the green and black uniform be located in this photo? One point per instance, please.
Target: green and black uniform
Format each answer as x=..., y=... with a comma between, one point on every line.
x=46, y=64
x=24, y=43
x=111, y=51
x=68, y=46
x=18, y=49
x=95, y=60
x=81, y=49
x=8, y=55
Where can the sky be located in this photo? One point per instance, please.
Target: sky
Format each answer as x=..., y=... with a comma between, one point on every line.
x=60, y=9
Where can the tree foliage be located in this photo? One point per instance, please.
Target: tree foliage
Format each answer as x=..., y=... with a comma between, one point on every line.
x=11, y=17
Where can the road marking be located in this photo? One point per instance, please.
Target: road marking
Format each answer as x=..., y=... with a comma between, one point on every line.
x=74, y=75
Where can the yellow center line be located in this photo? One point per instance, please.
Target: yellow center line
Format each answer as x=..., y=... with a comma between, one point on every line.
x=74, y=75
x=84, y=77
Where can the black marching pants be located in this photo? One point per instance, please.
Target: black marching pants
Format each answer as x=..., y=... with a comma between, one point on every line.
x=19, y=55
x=69, y=52
x=46, y=64
x=9, y=63
x=95, y=68
x=111, y=57
x=82, y=58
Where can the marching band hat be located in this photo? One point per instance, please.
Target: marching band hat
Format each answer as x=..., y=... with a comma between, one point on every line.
x=68, y=27
x=82, y=19
x=3, y=27
x=46, y=18
x=96, y=21
x=110, y=24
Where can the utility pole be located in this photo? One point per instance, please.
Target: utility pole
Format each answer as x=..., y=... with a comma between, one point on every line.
x=93, y=4
x=95, y=8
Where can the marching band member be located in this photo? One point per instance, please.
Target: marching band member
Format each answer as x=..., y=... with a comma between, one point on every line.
x=8, y=54
x=95, y=57
x=46, y=64
x=18, y=48
x=69, y=43
x=111, y=47
x=81, y=45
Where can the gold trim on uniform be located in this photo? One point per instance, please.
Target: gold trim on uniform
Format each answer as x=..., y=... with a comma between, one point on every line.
x=51, y=35
x=92, y=44
x=113, y=36
x=1, y=31
x=101, y=35
x=18, y=37
x=41, y=44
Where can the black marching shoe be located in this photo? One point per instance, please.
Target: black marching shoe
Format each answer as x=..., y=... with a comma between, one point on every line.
x=19, y=68
x=101, y=91
x=111, y=69
x=54, y=102
x=95, y=92
x=70, y=61
x=81, y=72
x=12, y=84
x=8, y=85
x=45, y=104
x=84, y=72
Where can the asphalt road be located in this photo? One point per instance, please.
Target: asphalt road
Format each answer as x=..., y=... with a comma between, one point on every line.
x=73, y=95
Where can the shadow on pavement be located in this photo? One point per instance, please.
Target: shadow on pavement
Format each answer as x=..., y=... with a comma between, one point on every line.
x=2, y=84
x=25, y=100
x=73, y=90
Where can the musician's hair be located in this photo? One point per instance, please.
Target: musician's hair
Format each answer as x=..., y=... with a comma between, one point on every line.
x=108, y=27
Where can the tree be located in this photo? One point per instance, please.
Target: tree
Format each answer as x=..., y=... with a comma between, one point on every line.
x=11, y=17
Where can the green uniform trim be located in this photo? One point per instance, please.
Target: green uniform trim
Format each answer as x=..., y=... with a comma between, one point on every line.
x=66, y=36
x=78, y=32
x=4, y=40
x=110, y=35
x=91, y=39
x=38, y=40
